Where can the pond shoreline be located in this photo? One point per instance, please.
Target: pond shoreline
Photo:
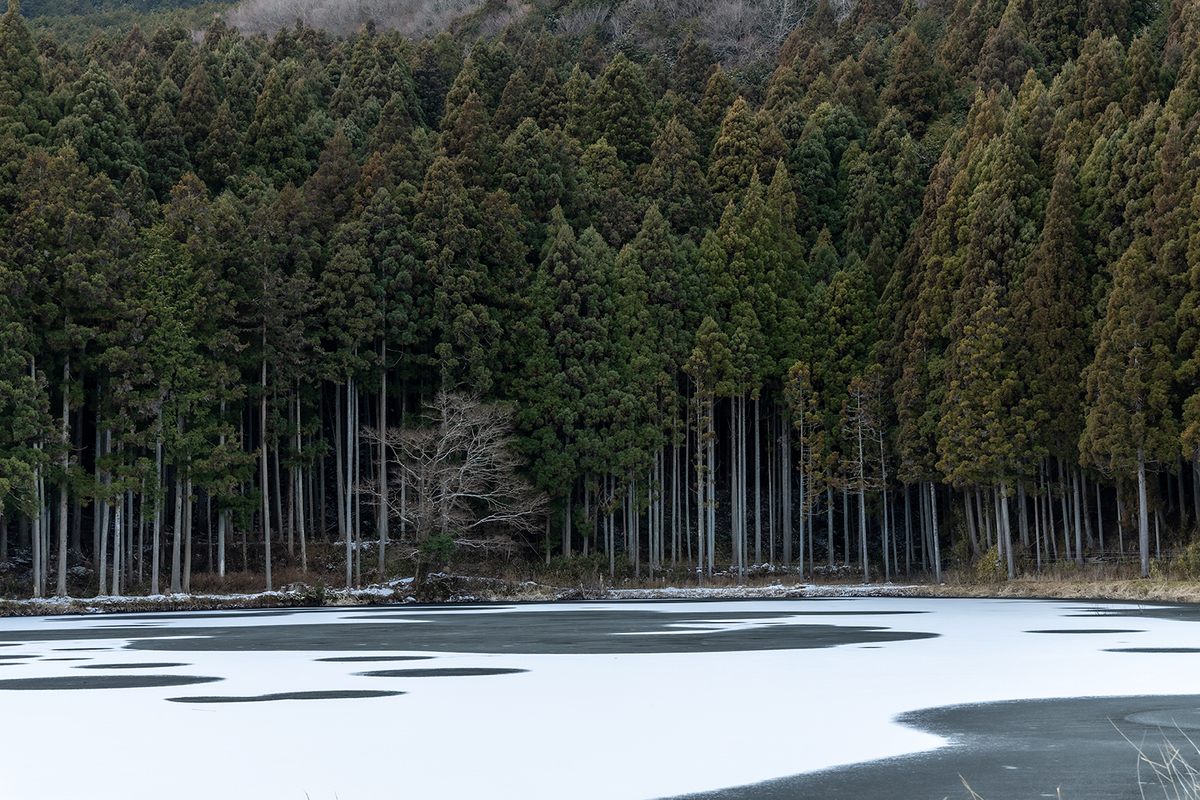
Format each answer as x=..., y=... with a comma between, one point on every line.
x=442, y=589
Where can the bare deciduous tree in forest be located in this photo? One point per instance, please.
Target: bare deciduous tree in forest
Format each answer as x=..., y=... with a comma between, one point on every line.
x=460, y=472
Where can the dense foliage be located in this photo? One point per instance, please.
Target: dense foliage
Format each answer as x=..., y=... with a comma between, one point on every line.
x=936, y=244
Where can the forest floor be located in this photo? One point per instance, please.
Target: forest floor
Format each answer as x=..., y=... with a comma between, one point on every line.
x=586, y=578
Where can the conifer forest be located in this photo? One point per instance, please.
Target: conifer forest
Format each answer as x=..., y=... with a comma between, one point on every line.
x=700, y=285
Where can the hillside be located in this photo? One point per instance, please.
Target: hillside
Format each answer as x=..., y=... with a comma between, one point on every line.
x=905, y=286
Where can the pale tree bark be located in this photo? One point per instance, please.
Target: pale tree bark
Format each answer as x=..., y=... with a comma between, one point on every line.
x=36, y=536
x=156, y=537
x=345, y=499
x=339, y=450
x=1078, y=520
x=300, y=492
x=712, y=491
x=221, y=514
x=118, y=531
x=829, y=521
x=1143, y=512
x=1012, y=571
x=937, y=551
x=61, y=589
x=382, y=518
x=177, y=534
x=189, y=506
x=263, y=470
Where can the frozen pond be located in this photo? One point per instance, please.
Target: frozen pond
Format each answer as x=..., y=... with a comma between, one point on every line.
x=777, y=698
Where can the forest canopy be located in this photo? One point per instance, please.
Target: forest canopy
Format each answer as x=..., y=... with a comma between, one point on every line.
x=741, y=282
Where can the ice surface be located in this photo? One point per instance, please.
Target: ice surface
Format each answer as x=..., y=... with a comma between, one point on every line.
x=607, y=726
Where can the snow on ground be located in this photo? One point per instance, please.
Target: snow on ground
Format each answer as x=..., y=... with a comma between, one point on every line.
x=608, y=726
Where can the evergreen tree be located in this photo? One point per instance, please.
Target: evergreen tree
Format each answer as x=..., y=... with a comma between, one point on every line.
x=677, y=182
x=735, y=154
x=272, y=145
x=97, y=126
x=913, y=88
x=166, y=156
x=1050, y=314
x=1130, y=423
x=218, y=161
x=197, y=108
x=619, y=110
x=515, y=105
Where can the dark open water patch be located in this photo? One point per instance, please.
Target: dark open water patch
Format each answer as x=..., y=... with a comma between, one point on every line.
x=580, y=631
x=7, y=656
x=79, y=649
x=1152, y=650
x=1088, y=630
x=65, y=659
x=442, y=672
x=142, y=665
x=266, y=698
x=104, y=682
x=1006, y=751
x=356, y=659
x=1185, y=612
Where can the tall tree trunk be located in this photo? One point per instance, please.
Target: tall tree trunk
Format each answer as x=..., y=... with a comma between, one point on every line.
x=339, y=450
x=1087, y=511
x=984, y=521
x=757, y=484
x=345, y=499
x=189, y=506
x=785, y=486
x=846, y=522
x=701, y=490
x=118, y=542
x=1099, y=517
x=1078, y=520
x=98, y=481
x=1012, y=570
x=1143, y=511
x=937, y=550
x=1120, y=520
x=972, y=530
x=156, y=537
x=263, y=470
x=1037, y=528
x=300, y=484
x=908, y=548
x=354, y=499
x=36, y=537
x=712, y=490
x=887, y=574
x=829, y=522
x=1196, y=486
x=76, y=541
x=177, y=534
x=1023, y=519
x=382, y=518
x=221, y=516
x=61, y=588
x=862, y=509
x=1066, y=518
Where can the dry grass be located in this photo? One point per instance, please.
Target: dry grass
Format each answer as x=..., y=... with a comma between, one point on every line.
x=482, y=576
x=1176, y=776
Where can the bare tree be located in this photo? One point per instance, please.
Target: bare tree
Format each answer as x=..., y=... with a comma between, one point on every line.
x=461, y=473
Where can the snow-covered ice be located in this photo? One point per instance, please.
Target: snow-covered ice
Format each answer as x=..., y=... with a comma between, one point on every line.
x=606, y=725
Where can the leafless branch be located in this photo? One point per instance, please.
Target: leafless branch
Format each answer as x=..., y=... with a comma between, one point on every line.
x=459, y=472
